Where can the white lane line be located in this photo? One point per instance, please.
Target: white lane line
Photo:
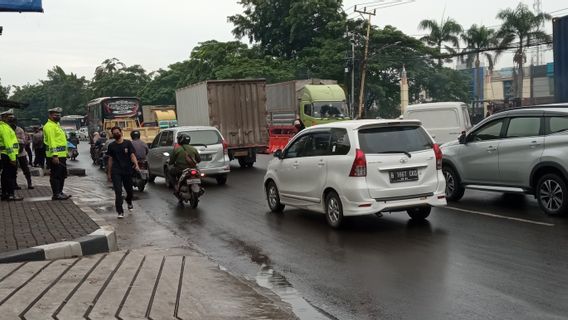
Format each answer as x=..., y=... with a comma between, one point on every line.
x=501, y=217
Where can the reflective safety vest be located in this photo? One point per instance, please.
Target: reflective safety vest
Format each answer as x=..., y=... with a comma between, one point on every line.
x=55, y=140
x=8, y=141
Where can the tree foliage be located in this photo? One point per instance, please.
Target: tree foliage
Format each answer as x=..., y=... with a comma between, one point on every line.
x=447, y=31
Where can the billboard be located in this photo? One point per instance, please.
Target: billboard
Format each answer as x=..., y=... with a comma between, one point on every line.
x=560, y=36
x=21, y=6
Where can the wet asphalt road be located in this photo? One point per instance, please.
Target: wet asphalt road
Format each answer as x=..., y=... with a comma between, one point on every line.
x=488, y=256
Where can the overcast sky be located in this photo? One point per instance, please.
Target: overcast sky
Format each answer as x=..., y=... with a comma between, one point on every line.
x=79, y=34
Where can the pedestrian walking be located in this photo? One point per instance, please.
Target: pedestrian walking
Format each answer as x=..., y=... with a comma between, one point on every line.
x=23, y=156
x=8, y=155
x=121, y=163
x=39, y=148
x=56, y=151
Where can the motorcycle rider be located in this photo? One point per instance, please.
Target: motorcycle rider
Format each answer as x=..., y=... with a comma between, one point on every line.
x=139, y=145
x=184, y=157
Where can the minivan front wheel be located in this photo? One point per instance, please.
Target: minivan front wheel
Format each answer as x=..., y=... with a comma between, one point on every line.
x=454, y=189
x=552, y=194
x=333, y=210
x=273, y=197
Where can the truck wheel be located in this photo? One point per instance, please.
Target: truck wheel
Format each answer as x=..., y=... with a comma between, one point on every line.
x=245, y=163
x=221, y=180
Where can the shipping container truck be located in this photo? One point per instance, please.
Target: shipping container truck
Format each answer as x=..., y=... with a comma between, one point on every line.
x=235, y=107
x=162, y=116
x=312, y=101
x=560, y=36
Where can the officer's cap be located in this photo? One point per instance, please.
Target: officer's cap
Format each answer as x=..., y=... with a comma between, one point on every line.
x=55, y=110
x=7, y=113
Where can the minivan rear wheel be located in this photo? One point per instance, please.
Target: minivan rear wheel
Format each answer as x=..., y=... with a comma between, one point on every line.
x=420, y=213
x=552, y=194
x=333, y=210
x=454, y=189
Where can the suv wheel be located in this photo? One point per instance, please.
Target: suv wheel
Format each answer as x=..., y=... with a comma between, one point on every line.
x=420, y=213
x=454, y=189
x=552, y=194
x=333, y=210
x=273, y=197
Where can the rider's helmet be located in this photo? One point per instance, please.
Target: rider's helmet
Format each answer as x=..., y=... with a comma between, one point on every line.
x=135, y=135
x=103, y=134
x=183, y=138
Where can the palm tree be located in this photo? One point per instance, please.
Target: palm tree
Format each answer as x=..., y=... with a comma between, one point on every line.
x=522, y=25
x=478, y=38
x=447, y=31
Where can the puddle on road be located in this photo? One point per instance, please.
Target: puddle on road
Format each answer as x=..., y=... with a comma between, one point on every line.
x=277, y=283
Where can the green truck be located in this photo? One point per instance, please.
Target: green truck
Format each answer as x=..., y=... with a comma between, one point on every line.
x=312, y=101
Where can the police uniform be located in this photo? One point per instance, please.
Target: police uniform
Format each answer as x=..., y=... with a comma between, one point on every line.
x=8, y=153
x=56, y=147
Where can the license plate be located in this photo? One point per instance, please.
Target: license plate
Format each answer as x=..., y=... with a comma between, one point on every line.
x=193, y=181
x=144, y=174
x=242, y=153
x=405, y=175
x=206, y=157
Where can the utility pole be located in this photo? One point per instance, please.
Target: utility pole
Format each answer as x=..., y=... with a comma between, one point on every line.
x=364, y=64
x=352, y=102
x=537, y=5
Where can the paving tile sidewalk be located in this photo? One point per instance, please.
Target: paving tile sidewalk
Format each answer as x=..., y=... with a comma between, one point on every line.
x=37, y=221
x=148, y=283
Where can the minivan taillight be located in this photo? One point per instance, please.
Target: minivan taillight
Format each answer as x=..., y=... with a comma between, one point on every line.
x=225, y=147
x=359, y=168
x=438, y=153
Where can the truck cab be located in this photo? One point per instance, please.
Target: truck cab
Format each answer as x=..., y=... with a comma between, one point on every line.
x=320, y=104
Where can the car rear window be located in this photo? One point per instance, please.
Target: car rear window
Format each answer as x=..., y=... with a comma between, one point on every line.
x=394, y=139
x=206, y=137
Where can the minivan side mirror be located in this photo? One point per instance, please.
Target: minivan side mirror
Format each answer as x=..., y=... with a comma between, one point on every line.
x=278, y=154
x=462, y=138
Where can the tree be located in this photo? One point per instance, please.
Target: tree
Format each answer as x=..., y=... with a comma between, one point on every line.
x=525, y=27
x=66, y=91
x=478, y=38
x=447, y=31
x=114, y=78
x=4, y=91
x=284, y=28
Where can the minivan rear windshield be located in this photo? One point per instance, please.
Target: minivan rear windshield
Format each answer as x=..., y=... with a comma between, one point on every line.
x=394, y=139
x=203, y=137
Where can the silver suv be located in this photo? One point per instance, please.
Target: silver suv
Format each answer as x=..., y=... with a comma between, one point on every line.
x=208, y=141
x=522, y=150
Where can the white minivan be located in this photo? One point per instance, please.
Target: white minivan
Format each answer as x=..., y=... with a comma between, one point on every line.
x=353, y=168
x=445, y=121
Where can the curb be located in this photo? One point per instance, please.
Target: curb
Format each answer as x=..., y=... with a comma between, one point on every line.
x=101, y=240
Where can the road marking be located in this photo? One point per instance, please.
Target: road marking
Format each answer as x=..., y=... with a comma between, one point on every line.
x=502, y=217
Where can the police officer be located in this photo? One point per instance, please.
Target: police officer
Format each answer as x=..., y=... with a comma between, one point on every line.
x=56, y=152
x=8, y=153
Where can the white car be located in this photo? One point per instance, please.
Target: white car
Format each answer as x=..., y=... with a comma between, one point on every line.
x=360, y=167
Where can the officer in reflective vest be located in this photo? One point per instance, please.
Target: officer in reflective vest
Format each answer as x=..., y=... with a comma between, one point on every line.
x=8, y=154
x=56, y=151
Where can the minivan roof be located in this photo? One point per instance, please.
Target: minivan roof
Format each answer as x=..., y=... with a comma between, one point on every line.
x=356, y=124
x=436, y=105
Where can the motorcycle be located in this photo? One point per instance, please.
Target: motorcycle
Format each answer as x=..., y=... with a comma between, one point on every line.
x=140, y=178
x=189, y=186
x=72, y=151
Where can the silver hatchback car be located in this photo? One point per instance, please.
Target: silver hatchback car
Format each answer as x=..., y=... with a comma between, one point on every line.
x=521, y=150
x=208, y=141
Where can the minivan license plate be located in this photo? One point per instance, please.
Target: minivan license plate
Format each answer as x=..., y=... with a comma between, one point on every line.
x=403, y=175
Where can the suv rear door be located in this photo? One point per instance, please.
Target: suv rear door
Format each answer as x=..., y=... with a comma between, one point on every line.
x=400, y=160
x=209, y=143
